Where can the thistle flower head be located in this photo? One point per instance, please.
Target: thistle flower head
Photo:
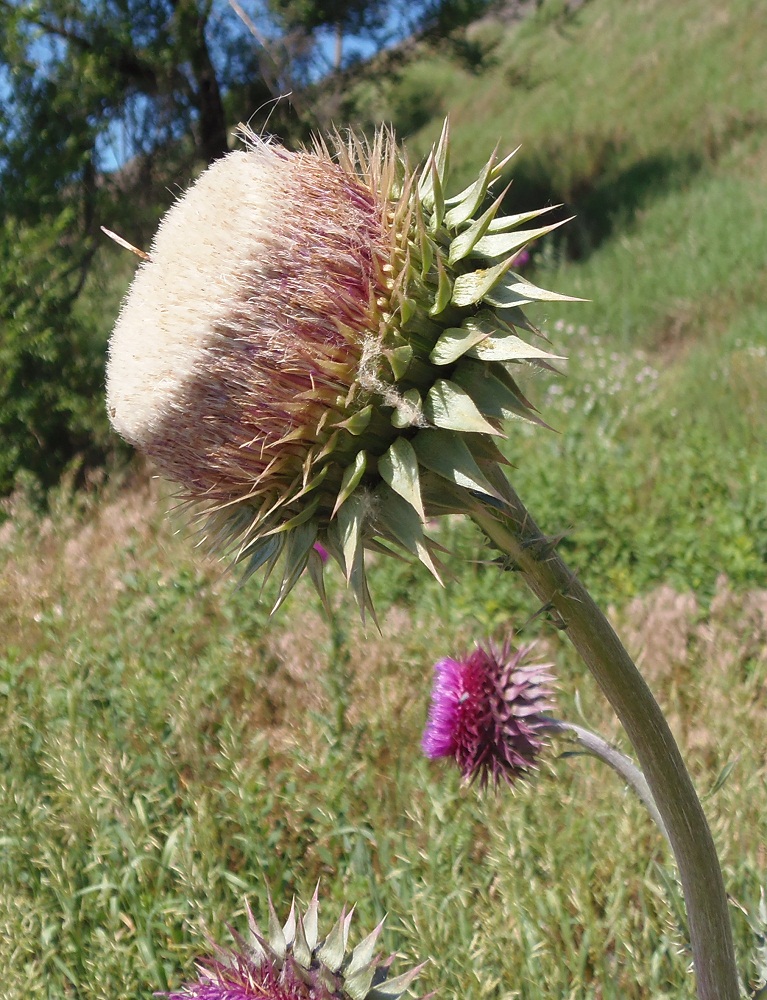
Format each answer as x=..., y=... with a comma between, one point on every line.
x=322, y=347
x=292, y=962
x=488, y=711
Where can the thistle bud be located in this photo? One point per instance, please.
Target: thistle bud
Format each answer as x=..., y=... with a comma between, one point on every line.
x=488, y=712
x=321, y=347
x=292, y=962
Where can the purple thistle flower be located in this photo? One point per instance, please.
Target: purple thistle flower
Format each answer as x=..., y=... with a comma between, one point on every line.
x=488, y=713
x=241, y=977
x=522, y=259
x=292, y=962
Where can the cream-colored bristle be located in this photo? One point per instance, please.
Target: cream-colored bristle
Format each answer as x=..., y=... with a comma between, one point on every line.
x=199, y=265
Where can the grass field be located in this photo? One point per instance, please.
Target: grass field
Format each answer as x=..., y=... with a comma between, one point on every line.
x=166, y=747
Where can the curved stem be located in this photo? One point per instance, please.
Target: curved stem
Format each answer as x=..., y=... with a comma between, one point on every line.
x=516, y=534
x=622, y=765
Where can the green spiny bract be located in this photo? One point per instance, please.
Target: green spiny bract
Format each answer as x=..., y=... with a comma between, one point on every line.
x=292, y=962
x=322, y=347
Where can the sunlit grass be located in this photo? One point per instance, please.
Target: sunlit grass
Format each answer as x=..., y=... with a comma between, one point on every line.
x=166, y=748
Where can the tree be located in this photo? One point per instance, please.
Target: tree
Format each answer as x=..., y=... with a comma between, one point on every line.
x=341, y=16
x=51, y=378
x=75, y=75
x=75, y=69
x=379, y=22
x=104, y=106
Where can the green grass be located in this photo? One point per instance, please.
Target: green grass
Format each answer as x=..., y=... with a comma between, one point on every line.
x=166, y=747
x=601, y=92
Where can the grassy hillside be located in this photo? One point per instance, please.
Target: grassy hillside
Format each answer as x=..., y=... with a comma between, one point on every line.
x=165, y=746
x=646, y=120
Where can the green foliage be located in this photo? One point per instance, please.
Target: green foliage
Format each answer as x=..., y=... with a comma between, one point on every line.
x=77, y=70
x=417, y=95
x=349, y=15
x=51, y=375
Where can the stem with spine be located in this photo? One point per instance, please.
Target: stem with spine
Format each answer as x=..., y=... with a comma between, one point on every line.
x=624, y=766
x=515, y=533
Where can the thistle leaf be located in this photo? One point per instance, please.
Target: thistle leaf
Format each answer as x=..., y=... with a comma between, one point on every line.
x=505, y=243
x=506, y=371
x=358, y=422
x=279, y=937
x=358, y=584
x=475, y=195
x=457, y=340
x=400, y=522
x=399, y=468
x=518, y=292
x=442, y=156
x=363, y=953
x=497, y=479
x=408, y=412
x=471, y=288
x=350, y=521
x=399, y=359
x=438, y=200
x=358, y=984
x=392, y=989
x=300, y=518
x=313, y=482
x=448, y=405
x=506, y=222
x=407, y=308
x=311, y=920
x=261, y=551
x=302, y=953
x=424, y=244
x=464, y=243
x=507, y=346
x=351, y=478
x=447, y=454
x=317, y=576
x=297, y=548
x=444, y=290
x=495, y=173
x=437, y=166
x=486, y=453
x=442, y=497
x=492, y=396
x=333, y=948
x=255, y=939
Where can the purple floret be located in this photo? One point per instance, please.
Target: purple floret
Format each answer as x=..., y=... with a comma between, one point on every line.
x=487, y=713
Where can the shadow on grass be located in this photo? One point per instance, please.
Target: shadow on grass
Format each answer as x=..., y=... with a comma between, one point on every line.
x=599, y=187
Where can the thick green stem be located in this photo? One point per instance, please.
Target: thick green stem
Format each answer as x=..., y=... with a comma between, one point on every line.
x=515, y=533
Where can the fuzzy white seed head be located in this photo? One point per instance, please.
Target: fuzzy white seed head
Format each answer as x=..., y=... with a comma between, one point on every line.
x=315, y=351
x=259, y=281
x=202, y=263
